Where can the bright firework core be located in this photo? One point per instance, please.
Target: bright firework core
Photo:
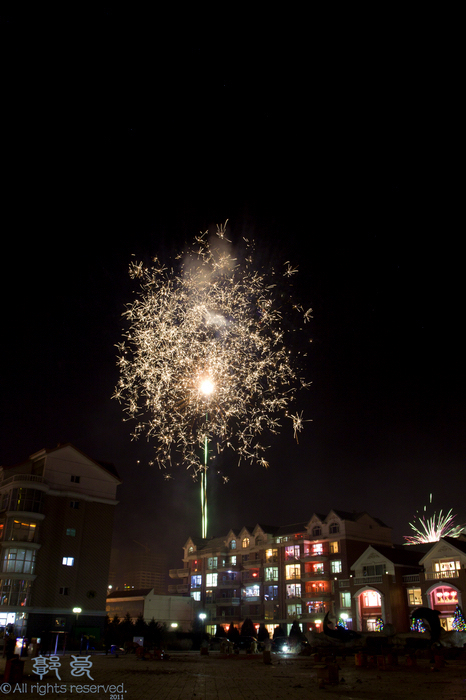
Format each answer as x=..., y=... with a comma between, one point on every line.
x=207, y=387
x=214, y=327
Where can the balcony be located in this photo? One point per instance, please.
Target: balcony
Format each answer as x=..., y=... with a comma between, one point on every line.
x=248, y=580
x=228, y=601
x=319, y=595
x=252, y=564
x=361, y=580
x=294, y=577
x=229, y=567
x=254, y=618
x=251, y=599
x=271, y=560
x=312, y=616
x=411, y=578
x=438, y=575
x=228, y=584
x=319, y=576
x=178, y=573
x=314, y=557
x=27, y=478
x=224, y=619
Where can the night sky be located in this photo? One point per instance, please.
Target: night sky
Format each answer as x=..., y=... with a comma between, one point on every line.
x=128, y=133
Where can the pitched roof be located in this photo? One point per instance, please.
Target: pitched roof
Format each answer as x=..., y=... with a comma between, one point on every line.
x=399, y=555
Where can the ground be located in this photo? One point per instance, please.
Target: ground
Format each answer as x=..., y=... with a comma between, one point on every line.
x=187, y=676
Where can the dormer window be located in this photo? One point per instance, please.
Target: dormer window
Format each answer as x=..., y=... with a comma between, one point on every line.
x=334, y=528
x=245, y=542
x=316, y=531
x=190, y=550
x=233, y=544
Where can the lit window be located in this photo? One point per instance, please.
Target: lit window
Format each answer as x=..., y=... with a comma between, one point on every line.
x=68, y=561
x=447, y=565
x=245, y=542
x=252, y=591
x=414, y=596
x=371, y=599
x=233, y=560
x=211, y=580
x=212, y=562
x=196, y=595
x=293, y=590
x=294, y=610
x=345, y=599
x=196, y=581
x=317, y=549
x=444, y=595
x=292, y=552
x=334, y=547
x=19, y=560
x=271, y=555
x=271, y=573
x=233, y=544
x=293, y=571
x=376, y=570
x=335, y=566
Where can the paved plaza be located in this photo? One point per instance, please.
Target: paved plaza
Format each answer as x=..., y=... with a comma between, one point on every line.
x=187, y=676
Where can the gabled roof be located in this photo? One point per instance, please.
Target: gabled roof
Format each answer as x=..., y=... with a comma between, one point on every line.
x=396, y=555
x=288, y=529
x=354, y=516
x=107, y=466
x=458, y=545
x=268, y=529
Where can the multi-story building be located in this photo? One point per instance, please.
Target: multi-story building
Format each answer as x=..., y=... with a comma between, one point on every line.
x=144, y=568
x=56, y=521
x=275, y=575
x=390, y=583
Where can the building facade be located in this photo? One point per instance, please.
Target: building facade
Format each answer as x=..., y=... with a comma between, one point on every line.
x=275, y=575
x=56, y=522
x=388, y=584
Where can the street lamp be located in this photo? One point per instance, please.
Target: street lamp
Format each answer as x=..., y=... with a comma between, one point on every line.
x=77, y=611
x=202, y=617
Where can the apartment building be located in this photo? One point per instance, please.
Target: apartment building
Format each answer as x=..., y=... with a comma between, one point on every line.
x=56, y=521
x=389, y=584
x=275, y=575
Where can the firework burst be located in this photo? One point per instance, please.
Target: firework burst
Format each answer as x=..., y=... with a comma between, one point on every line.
x=206, y=355
x=434, y=528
